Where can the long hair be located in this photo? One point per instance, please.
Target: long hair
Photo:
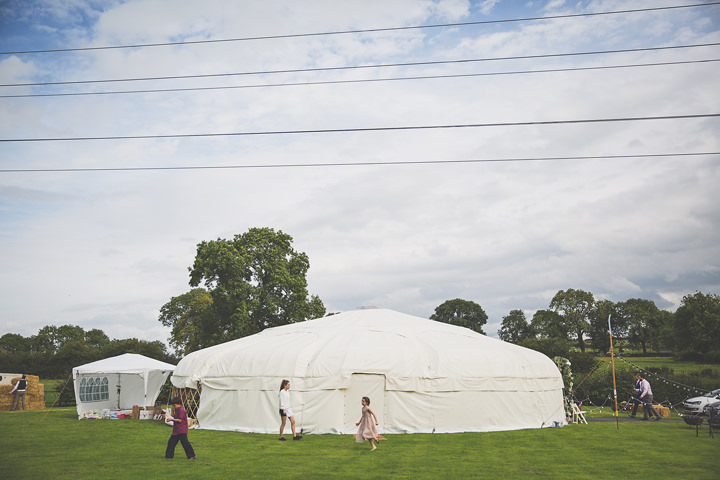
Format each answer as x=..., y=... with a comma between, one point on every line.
x=283, y=383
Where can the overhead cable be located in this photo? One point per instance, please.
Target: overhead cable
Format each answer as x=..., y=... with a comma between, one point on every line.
x=366, y=80
x=371, y=30
x=352, y=67
x=356, y=164
x=357, y=67
x=366, y=129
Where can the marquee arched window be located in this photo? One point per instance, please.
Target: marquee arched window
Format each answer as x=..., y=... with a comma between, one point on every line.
x=94, y=389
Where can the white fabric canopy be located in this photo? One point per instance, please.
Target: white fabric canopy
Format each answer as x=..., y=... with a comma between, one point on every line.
x=420, y=375
x=119, y=382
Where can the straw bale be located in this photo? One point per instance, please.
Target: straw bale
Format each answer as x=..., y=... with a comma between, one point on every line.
x=34, y=394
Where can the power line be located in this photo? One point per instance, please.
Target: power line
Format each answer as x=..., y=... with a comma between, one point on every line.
x=356, y=67
x=367, y=80
x=356, y=164
x=372, y=30
x=367, y=129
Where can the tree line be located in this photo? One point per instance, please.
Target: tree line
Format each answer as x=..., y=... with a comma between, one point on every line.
x=692, y=332
x=257, y=280
x=54, y=351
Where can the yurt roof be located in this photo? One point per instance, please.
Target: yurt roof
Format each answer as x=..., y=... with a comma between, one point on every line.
x=376, y=341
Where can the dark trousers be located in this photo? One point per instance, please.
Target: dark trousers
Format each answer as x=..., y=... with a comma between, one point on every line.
x=636, y=402
x=648, y=407
x=18, y=396
x=182, y=438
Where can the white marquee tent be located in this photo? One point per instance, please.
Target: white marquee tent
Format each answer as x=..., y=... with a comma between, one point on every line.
x=119, y=382
x=421, y=376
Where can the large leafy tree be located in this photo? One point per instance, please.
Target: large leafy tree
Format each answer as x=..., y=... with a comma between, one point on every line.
x=574, y=306
x=13, y=343
x=96, y=338
x=256, y=280
x=50, y=338
x=463, y=313
x=598, y=319
x=549, y=324
x=190, y=316
x=697, y=323
x=644, y=322
x=515, y=327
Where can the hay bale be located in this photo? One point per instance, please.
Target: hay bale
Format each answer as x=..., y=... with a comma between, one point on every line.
x=662, y=411
x=34, y=394
x=6, y=398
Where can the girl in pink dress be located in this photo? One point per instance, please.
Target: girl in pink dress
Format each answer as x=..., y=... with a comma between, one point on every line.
x=367, y=430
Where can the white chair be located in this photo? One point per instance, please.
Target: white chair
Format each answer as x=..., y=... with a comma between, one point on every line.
x=578, y=416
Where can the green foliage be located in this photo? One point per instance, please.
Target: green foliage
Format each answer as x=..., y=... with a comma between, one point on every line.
x=54, y=355
x=598, y=330
x=552, y=347
x=644, y=322
x=697, y=323
x=190, y=316
x=574, y=306
x=464, y=313
x=548, y=324
x=132, y=449
x=13, y=343
x=563, y=364
x=64, y=395
x=582, y=361
x=256, y=280
x=670, y=386
x=153, y=349
x=515, y=327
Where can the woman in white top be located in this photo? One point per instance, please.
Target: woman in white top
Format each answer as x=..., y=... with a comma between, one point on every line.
x=286, y=410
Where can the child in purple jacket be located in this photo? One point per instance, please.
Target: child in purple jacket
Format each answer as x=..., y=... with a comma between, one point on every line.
x=179, y=432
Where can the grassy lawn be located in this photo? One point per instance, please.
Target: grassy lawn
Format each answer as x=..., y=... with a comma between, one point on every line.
x=675, y=366
x=61, y=447
x=50, y=386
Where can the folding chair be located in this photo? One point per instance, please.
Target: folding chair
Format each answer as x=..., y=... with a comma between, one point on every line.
x=578, y=415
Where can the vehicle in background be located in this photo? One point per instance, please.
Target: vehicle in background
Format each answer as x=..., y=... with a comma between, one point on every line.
x=697, y=404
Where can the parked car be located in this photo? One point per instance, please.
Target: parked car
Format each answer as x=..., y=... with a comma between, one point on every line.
x=698, y=404
x=712, y=409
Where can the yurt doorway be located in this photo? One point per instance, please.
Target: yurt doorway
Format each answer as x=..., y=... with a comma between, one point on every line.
x=364, y=385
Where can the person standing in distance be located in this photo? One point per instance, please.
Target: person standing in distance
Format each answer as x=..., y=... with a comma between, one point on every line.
x=286, y=410
x=19, y=391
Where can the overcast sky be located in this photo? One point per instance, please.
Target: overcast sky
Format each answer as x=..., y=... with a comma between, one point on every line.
x=107, y=248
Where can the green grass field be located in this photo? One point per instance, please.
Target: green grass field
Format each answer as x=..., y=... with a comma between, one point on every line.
x=50, y=385
x=62, y=447
x=674, y=365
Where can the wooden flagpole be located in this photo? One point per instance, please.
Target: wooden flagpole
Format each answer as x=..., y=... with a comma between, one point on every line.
x=612, y=359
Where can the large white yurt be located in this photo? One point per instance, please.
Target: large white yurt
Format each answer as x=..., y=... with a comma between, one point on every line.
x=421, y=376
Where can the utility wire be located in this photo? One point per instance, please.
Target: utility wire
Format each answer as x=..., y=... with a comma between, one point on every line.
x=372, y=30
x=356, y=164
x=356, y=67
x=367, y=80
x=367, y=129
